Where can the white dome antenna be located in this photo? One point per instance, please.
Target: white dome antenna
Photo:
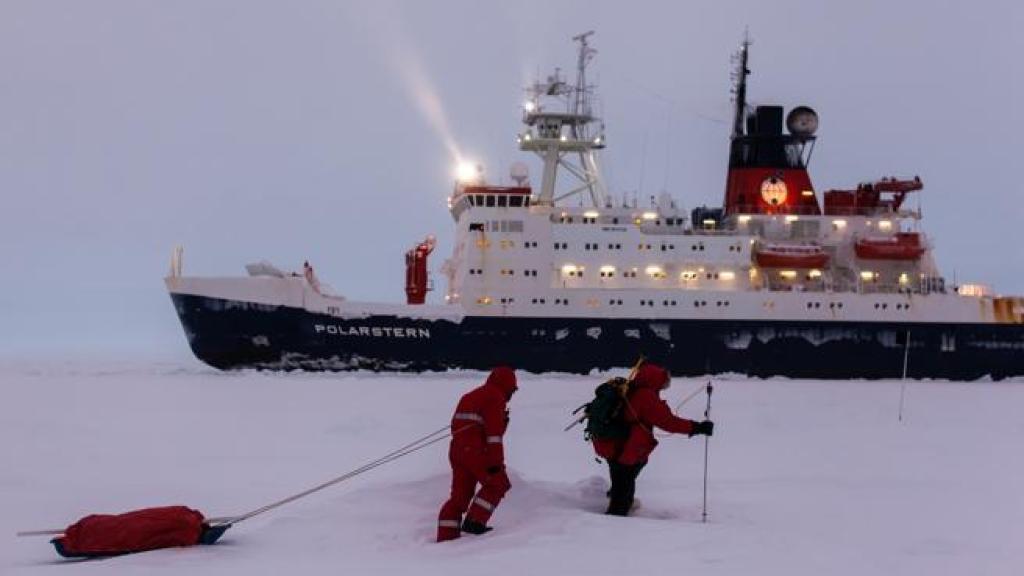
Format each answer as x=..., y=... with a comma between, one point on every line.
x=519, y=172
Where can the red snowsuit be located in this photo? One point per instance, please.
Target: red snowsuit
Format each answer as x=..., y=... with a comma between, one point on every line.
x=644, y=410
x=477, y=455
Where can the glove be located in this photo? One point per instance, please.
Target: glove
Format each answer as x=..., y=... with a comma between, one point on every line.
x=494, y=469
x=704, y=428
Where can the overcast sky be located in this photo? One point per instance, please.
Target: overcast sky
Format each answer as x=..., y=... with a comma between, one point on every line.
x=246, y=130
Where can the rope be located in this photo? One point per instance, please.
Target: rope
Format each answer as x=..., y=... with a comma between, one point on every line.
x=414, y=446
x=688, y=398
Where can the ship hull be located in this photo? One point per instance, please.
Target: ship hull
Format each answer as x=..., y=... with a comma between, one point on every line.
x=230, y=334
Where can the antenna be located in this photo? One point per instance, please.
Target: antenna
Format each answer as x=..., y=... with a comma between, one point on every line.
x=581, y=103
x=557, y=136
x=739, y=78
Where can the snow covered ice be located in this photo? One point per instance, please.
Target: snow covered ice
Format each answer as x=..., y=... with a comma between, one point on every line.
x=806, y=477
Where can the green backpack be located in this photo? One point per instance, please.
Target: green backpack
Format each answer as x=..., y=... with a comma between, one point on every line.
x=605, y=414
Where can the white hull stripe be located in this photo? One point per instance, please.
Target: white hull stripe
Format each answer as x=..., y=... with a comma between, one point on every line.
x=483, y=504
x=468, y=416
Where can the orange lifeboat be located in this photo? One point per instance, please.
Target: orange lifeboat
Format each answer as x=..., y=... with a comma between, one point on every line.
x=790, y=256
x=901, y=246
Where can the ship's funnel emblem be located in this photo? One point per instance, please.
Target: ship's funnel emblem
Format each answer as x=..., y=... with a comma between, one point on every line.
x=774, y=191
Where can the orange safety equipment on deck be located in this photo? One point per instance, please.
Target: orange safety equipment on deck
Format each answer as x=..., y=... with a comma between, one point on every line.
x=790, y=256
x=416, y=282
x=900, y=246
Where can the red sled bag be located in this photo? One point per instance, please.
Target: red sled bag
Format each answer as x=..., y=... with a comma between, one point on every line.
x=136, y=531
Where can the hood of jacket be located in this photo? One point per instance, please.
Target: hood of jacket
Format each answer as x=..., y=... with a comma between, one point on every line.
x=651, y=376
x=504, y=379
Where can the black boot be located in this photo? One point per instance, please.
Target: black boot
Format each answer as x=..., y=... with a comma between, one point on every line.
x=623, y=487
x=473, y=527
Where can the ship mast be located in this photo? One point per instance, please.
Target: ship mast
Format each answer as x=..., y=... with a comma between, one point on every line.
x=558, y=136
x=740, y=87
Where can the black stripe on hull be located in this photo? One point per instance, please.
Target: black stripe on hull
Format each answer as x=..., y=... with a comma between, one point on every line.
x=229, y=334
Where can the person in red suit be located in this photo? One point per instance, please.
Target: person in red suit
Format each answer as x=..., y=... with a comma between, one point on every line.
x=477, y=456
x=643, y=410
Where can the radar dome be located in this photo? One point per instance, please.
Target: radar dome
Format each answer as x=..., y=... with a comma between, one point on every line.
x=802, y=121
x=520, y=173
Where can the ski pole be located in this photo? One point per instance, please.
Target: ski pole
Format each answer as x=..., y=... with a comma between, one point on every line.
x=679, y=405
x=903, y=383
x=707, y=416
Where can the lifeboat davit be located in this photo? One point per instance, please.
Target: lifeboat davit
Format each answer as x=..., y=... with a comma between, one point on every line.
x=901, y=246
x=790, y=256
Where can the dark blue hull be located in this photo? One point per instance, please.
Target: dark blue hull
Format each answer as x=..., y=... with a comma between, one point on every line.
x=229, y=334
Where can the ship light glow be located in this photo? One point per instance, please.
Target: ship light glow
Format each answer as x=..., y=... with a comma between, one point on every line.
x=975, y=290
x=569, y=269
x=884, y=225
x=867, y=275
x=654, y=271
x=467, y=171
x=814, y=273
x=590, y=214
x=607, y=269
x=788, y=274
x=649, y=215
x=807, y=193
x=530, y=106
x=792, y=218
x=727, y=275
x=744, y=218
x=839, y=224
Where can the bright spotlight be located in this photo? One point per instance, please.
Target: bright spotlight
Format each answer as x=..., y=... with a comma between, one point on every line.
x=530, y=106
x=467, y=172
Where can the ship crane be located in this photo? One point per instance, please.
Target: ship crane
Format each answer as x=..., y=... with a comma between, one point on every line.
x=868, y=199
x=557, y=136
